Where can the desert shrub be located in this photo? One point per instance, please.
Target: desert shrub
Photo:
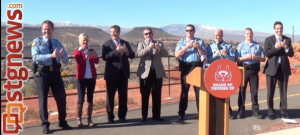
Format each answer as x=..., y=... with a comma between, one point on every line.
x=70, y=86
x=29, y=88
x=131, y=101
x=296, y=65
x=31, y=114
x=99, y=104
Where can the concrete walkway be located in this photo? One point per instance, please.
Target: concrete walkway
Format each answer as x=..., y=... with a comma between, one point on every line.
x=171, y=125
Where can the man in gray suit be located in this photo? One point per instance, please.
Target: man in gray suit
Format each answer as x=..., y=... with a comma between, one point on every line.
x=151, y=72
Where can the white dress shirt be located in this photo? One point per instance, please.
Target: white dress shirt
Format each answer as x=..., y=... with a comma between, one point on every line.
x=88, y=72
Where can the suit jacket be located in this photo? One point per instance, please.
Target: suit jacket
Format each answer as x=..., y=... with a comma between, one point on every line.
x=111, y=56
x=272, y=53
x=81, y=64
x=145, y=53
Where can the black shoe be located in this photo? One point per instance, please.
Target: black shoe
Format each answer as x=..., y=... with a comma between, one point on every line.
x=158, y=119
x=231, y=116
x=66, y=127
x=271, y=117
x=144, y=119
x=123, y=120
x=240, y=116
x=285, y=116
x=181, y=118
x=46, y=130
x=111, y=121
x=257, y=115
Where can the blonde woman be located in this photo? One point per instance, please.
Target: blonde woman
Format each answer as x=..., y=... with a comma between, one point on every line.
x=86, y=75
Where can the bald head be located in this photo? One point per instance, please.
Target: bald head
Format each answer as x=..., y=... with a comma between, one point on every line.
x=218, y=36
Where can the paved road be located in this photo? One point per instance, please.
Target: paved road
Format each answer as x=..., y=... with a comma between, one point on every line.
x=171, y=126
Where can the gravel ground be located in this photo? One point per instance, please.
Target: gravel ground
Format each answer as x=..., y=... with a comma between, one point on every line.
x=280, y=125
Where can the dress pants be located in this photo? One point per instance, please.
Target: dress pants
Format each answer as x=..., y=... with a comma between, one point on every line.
x=112, y=85
x=252, y=78
x=89, y=86
x=183, y=103
x=152, y=85
x=53, y=80
x=282, y=83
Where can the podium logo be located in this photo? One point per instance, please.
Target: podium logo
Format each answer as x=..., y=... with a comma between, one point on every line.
x=222, y=78
x=223, y=75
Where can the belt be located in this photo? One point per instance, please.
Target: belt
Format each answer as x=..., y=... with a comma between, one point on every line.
x=191, y=63
x=249, y=66
x=51, y=68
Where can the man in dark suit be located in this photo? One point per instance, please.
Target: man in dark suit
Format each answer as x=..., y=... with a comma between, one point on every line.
x=277, y=48
x=117, y=72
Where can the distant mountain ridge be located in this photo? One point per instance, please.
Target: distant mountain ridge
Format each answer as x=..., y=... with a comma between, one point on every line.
x=202, y=31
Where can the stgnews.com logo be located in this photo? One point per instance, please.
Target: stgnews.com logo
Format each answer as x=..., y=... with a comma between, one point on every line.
x=16, y=72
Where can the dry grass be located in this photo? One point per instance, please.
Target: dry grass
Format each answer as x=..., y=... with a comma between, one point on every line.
x=99, y=104
x=31, y=114
x=131, y=101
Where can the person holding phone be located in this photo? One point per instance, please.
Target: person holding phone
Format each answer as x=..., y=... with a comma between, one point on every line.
x=86, y=75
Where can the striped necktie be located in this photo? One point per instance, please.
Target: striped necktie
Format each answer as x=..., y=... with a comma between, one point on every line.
x=120, y=55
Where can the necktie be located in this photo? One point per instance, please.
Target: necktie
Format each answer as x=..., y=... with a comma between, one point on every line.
x=54, y=62
x=120, y=55
x=279, y=58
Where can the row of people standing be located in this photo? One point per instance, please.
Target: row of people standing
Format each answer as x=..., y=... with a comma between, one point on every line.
x=191, y=53
x=47, y=53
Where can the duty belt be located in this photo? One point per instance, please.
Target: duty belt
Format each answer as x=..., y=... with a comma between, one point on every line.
x=249, y=66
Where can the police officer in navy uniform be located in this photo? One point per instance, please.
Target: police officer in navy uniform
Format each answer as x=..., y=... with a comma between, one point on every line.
x=220, y=50
x=190, y=51
x=249, y=55
x=47, y=53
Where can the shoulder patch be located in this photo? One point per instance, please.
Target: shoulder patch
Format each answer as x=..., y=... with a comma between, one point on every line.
x=33, y=43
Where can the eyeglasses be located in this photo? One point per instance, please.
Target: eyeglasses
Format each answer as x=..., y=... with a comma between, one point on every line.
x=148, y=33
x=189, y=30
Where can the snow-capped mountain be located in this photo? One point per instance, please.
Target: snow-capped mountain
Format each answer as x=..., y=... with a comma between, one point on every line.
x=202, y=31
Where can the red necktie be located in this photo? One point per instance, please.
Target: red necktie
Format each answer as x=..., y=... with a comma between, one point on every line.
x=120, y=55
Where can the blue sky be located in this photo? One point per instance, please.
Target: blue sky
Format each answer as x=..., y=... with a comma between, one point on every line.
x=232, y=14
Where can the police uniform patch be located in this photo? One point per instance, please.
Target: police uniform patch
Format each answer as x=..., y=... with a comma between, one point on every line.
x=33, y=43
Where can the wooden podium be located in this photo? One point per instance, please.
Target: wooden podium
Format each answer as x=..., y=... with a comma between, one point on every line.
x=213, y=112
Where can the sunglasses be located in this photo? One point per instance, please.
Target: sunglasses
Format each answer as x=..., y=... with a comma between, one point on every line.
x=148, y=33
x=189, y=30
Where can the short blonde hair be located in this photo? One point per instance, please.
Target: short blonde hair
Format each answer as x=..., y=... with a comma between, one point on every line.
x=83, y=35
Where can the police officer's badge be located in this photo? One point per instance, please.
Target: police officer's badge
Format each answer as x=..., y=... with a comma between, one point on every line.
x=178, y=44
x=33, y=43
